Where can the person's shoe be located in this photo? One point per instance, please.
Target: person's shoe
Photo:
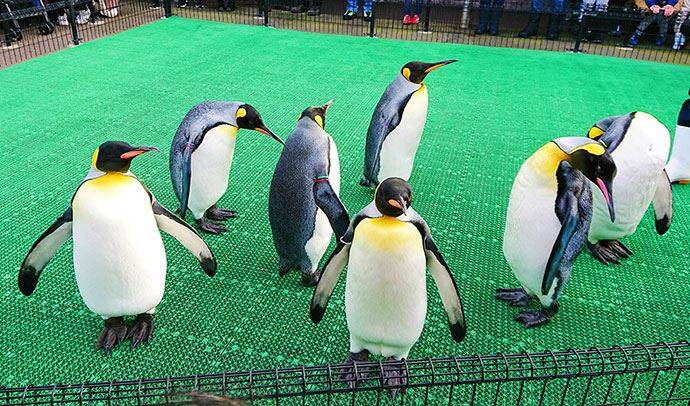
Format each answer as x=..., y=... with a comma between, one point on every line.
x=220, y=9
x=634, y=41
x=62, y=20
x=481, y=28
x=83, y=16
x=182, y=4
x=532, y=26
x=231, y=8
x=297, y=9
x=199, y=6
x=313, y=11
x=349, y=15
x=407, y=20
x=95, y=20
x=554, y=28
x=415, y=19
x=11, y=45
x=493, y=32
x=678, y=41
x=660, y=40
x=367, y=15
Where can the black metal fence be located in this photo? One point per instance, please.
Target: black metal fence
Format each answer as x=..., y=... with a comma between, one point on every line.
x=34, y=27
x=630, y=375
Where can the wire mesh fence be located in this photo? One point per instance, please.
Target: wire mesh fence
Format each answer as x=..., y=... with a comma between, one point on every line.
x=630, y=375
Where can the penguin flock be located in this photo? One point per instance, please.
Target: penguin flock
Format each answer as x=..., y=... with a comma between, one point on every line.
x=572, y=193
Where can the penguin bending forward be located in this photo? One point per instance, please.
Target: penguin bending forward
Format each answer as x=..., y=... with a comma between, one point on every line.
x=119, y=258
x=303, y=204
x=548, y=218
x=387, y=249
x=397, y=124
x=678, y=167
x=201, y=156
x=638, y=144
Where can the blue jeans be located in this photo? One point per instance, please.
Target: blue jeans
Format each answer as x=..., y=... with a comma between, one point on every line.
x=353, y=5
x=418, y=4
x=557, y=6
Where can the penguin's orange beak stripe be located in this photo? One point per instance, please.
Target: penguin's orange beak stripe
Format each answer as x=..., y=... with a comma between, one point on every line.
x=132, y=154
x=394, y=203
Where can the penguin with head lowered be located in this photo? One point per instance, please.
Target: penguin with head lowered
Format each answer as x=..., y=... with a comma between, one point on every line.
x=397, y=124
x=119, y=258
x=303, y=204
x=201, y=156
x=387, y=249
x=548, y=218
x=638, y=144
x=678, y=167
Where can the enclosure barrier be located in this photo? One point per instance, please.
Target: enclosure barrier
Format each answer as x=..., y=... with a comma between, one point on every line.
x=620, y=375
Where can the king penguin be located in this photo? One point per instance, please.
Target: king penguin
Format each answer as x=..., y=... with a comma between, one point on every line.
x=638, y=144
x=678, y=167
x=387, y=249
x=201, y=156
x=303, y=204
x=548, y=218
x=119, y=258
x=397, y=124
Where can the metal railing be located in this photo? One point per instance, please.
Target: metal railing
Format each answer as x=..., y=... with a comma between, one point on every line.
x=629, y=375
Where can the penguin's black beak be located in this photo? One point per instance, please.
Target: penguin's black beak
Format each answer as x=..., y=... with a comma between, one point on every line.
x=265, y=131
x=436, y=65
x=136, y=151
x=606, y=191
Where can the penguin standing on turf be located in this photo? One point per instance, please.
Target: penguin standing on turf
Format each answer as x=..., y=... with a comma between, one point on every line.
x=678, y=167
x=119, y=258
x=303, y=204
x=397, y=125
x=387, y=249
x=638, y=144
x=201, y=156
x=549, y=214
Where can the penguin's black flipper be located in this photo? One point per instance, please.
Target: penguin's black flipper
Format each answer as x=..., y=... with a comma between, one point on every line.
x=567, y=211
x=329, y=278
x=663, y=204
x=186, y=235
x=329, y=202
x=43, y=251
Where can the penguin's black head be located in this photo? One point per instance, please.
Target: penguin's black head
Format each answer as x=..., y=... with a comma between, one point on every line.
x=317, y=114
x=116, y=156
x=393, y=197
x=416, y=71
x=597, y=165
x=684, y=115
x=248, y=118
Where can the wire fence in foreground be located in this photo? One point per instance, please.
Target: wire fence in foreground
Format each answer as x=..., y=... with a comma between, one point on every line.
x=622, y=375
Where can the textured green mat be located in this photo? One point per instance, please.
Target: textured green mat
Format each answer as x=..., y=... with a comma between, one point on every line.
x=487, y=114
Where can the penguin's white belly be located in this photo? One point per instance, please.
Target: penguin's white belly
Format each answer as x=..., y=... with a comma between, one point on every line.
x=119, y=258
x=531, y=231
x=385, y=293
x=318, y=243
x=639, y=162
x=400, y=146
x=211, y=168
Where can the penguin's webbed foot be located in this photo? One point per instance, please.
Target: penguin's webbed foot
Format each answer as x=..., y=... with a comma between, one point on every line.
x=364, y=182
x=218, y=214
x=210, y=227
x=395, y=376
x=534, y=318
x=311, y=279
x=142, y=330
x=348, y=374
x=609, y=251
x=114, y=332
x=514, y=297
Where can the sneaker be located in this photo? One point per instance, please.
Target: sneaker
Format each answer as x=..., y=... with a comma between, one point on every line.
x=677, y=41
x=349, y=14
x=83, y=16
x=96, y=21
x=231, y=8
x=199, y=6
x=182, y=4
x=313, y=11
x=297, y=9
x=9, y=46
x=367, y=15
x=62, y=20
x=415, y=19
x=407, y=20
x=660, y=40
x=634, y=40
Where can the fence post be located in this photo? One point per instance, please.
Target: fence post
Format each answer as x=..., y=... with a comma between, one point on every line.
x=578, y=36
x=71, y=17
x=167, y=7
x=427, y=15
x=372, y=23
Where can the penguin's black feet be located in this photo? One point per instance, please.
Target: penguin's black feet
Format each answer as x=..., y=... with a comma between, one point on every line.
x=609, y=251
x=395, y=376
x=114, y=332
x=311, y=279
x=210, y=227
x=535, y=318
x=364, y=182
x=349, y=374
x=218, y=214
x=142, y=330
x=514, y=297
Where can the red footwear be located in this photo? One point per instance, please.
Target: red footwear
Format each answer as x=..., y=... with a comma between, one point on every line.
x=407, y=20
x=415, y=19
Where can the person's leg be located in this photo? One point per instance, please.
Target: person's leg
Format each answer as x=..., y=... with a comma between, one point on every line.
x=314, y=7
x=533, y=22
x=495, y=16
x=555, y=19
x=663, y=29
x=679, y=39
x=350, y=10
x=483, y=16
x=418, y=6
x=407, y=7
x=646, y=22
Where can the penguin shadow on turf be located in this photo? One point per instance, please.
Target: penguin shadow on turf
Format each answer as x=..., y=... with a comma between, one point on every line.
x=548, y=219
x=397, y=124
x=387, y=249
x=304, y=206
x=119, y=258
x=639, y=145
x=678, y=167
x=201, y=157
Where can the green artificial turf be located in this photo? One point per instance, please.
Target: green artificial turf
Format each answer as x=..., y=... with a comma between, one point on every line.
x=487, y=114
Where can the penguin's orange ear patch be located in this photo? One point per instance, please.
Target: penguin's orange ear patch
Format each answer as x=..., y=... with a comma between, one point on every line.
x=595, y=132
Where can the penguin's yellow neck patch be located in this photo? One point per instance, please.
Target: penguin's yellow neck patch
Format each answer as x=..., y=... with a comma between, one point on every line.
x=421, y=89
x=547, y=159
x=111, y=180
x=388, y=234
